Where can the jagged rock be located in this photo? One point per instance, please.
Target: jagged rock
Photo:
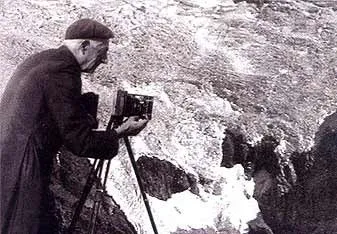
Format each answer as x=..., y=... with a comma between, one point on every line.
x=206, y=231
x=258, y=226
x=261, y=162
x=259, y=3
x=319, y=183
x=234, y=148
x=302, y=200
x=161, y=178
x=69, y=177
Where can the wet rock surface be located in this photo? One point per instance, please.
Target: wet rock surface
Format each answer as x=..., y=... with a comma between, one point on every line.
x=70, y=174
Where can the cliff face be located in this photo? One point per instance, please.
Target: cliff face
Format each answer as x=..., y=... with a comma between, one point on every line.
x=265, y=67
x=297, y=196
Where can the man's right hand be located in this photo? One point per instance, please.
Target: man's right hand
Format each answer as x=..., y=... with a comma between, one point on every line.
x=132, y=126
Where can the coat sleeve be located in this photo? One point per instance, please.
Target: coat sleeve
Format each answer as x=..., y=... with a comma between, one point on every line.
x=63, y=93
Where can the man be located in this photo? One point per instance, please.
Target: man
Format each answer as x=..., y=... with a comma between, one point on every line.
x=41, y=110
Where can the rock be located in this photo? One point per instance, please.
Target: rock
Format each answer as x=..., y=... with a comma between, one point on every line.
x=263, y=184
x=234, y=148
x=306, y=204
x=69, y=177
x=258, y=3
x=258, y=226
x=206, y=231
x=319, y=184
x=161, y=178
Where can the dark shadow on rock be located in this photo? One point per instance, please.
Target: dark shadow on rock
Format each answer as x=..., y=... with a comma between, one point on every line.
x=258, y=226
x=69, y=177
x=258, y=3
x=299, y=197
x=161, y=178
x=234, y=148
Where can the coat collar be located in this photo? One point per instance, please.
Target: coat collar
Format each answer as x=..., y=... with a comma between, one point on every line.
x=68, y=57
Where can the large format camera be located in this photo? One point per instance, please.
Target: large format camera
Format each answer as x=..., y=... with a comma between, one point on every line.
x=127, y=105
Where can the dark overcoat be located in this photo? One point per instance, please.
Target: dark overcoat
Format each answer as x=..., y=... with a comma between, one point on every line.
x=39, y=112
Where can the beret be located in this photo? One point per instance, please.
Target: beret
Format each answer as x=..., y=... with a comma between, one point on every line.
x=88, y=29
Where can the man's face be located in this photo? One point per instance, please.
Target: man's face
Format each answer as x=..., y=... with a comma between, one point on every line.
x=95, y=54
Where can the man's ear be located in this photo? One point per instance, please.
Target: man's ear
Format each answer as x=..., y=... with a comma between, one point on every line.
x=84, y=46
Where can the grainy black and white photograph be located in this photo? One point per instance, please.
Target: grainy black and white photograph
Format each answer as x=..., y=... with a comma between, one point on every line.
x=168, y=116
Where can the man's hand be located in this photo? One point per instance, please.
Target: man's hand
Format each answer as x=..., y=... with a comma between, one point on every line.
x=132, y=126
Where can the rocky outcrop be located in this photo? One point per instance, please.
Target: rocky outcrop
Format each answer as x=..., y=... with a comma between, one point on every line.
x=69, y=177
x=206, y=231
x=297, y=196
x=259, y=3
x=259, y=226
x=161, y=178
x=236, y=150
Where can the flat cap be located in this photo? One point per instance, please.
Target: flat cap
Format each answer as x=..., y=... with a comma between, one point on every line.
x=88, y=29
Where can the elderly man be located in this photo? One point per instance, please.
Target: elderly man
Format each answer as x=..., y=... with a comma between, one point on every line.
x=40, y=111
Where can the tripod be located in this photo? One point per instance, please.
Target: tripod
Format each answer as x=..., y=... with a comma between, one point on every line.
x=95, y=173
